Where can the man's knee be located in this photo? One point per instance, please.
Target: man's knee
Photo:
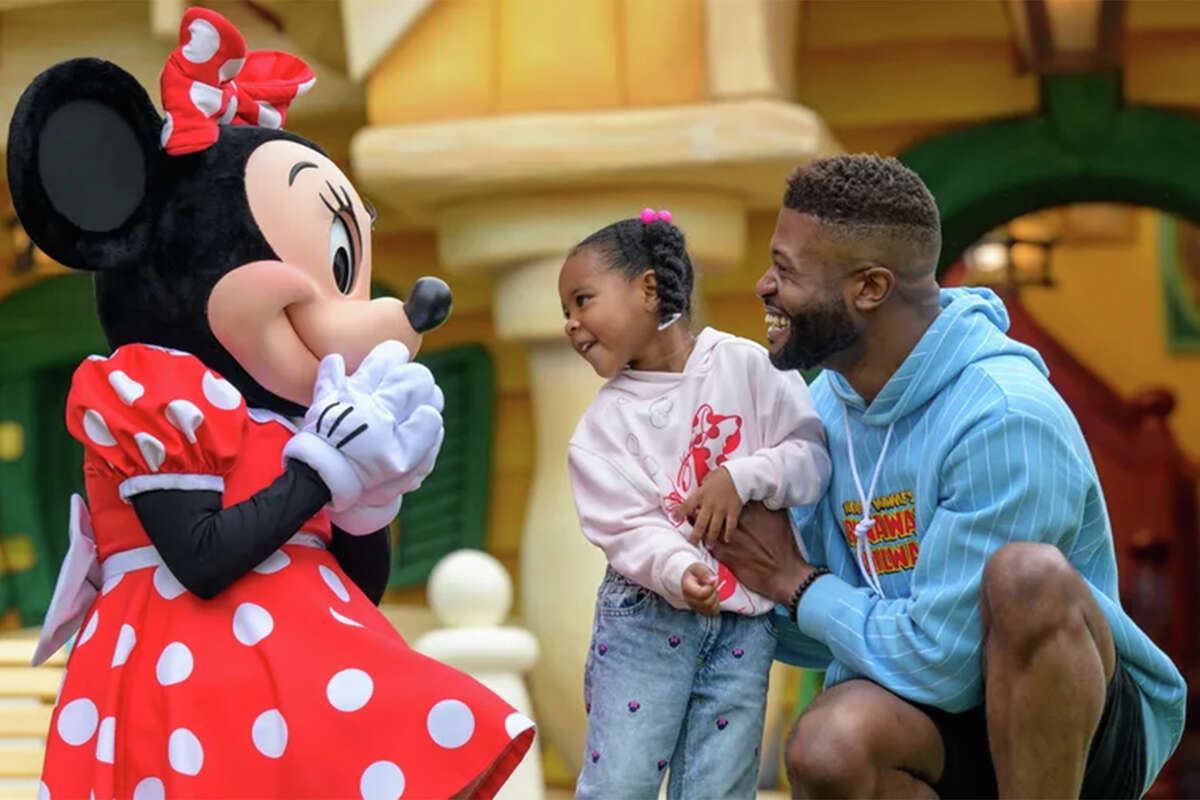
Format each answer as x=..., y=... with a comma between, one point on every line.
x=1030, y=593
x=827, y=755
x=1023, y=574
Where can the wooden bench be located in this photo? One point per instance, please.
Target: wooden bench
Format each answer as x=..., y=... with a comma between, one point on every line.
x=27, y=696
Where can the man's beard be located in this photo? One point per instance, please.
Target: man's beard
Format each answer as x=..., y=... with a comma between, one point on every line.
x=815, y=334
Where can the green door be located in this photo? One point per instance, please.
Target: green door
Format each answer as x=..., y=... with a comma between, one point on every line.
x=45, y=331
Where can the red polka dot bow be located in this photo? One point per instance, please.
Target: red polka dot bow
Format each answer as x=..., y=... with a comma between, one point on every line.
x=199, y=91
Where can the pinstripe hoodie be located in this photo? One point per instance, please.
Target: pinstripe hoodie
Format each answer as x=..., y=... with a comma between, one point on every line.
x=980, y=451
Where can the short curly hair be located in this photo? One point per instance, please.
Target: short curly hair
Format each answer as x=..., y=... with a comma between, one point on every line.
x=866, y=192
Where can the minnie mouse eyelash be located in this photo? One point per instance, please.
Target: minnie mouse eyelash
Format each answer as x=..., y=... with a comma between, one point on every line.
x=344, y=205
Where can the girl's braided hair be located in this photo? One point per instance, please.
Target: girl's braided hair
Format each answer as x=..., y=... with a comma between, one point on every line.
x=633, y=246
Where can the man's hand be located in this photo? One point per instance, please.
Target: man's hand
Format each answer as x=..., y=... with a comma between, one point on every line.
x=713, y=508
x=763, y=555
x=700, y=590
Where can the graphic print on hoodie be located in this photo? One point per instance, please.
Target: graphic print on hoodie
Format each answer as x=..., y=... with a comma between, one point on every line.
x=969, y=448
x=649, y=439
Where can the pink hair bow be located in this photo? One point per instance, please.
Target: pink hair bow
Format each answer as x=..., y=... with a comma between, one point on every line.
x=199, y=91
x=650, y=215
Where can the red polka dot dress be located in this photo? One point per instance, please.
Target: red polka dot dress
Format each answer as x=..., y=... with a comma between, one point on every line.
x=290, y=683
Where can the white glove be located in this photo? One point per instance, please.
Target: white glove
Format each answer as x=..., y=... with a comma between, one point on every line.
x=361, y=520
x=377, y=507
x=382, y=426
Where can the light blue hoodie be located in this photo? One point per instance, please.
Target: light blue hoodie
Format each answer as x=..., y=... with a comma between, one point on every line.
x=980, y=451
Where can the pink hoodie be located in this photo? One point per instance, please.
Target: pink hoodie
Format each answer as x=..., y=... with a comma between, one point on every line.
x=649, y=438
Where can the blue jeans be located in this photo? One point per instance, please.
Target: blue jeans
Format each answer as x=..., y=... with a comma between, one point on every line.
x=669, y=688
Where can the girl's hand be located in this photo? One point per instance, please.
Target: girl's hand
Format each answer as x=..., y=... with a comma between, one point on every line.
x=700, y=590
x=714, y=508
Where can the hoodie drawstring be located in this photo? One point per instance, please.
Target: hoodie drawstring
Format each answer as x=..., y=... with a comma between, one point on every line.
x=862, y=549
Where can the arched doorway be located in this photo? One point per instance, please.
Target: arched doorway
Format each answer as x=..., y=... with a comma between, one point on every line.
x=1088, y=146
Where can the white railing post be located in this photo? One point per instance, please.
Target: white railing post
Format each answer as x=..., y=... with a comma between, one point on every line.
x=470, y=594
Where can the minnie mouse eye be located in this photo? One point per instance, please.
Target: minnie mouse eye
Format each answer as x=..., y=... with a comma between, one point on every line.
x=341, y=255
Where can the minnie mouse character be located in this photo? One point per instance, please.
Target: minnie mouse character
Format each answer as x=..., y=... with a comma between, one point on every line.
x=227, y=571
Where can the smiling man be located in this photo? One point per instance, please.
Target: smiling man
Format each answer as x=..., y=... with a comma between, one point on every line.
x=969, y=620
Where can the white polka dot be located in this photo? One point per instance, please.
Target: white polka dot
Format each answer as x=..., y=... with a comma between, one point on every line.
x=206, y=98
x=306, y=86
x=268, y=117
x=166, y=584
x=184, y=752
x=349, y=690
x=270, y=733
x=105, y=741
x=149, y=789
x=97, y=429
x=252, y=624
x=450, y=724
x=383, y=780
x=344, y=620
x=334, y=583
x=230, y=111
x=126, y=387
x=174, y=665
x=273, y=563
x=43, y=791
x=126, y=639
x=220, y=392
x=89, y=629
x=77, y=721
x=230, y=69
x=111, y=583
x=152, y=450
x=95, y=357
x=167, y=129
x=186, y=417
x=203, y=43
x=517, y=723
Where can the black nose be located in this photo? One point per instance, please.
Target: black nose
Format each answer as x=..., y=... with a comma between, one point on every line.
x=428, y=304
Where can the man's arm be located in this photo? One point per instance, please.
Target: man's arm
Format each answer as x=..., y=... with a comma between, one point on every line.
x=1016, y=479
x=796, y=647
x=764, y=547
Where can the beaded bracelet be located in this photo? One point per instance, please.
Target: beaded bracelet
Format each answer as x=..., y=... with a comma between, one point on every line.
x=794, y=603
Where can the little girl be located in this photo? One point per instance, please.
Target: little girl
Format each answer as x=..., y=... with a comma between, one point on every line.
x=689, y=427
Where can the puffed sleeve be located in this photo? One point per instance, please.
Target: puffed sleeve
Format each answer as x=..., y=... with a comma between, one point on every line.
x=158, y=418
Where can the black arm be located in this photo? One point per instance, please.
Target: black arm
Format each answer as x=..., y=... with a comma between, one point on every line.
x=367, y=560
x=208, y=547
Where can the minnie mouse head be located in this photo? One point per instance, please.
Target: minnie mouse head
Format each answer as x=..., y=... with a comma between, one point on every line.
x=211, y=231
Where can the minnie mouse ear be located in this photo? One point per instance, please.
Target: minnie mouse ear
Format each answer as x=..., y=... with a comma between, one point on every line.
x=82, y=149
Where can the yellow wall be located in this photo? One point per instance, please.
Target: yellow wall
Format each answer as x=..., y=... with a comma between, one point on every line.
x=884, y=74
x=476, y=57
x=729, y=300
